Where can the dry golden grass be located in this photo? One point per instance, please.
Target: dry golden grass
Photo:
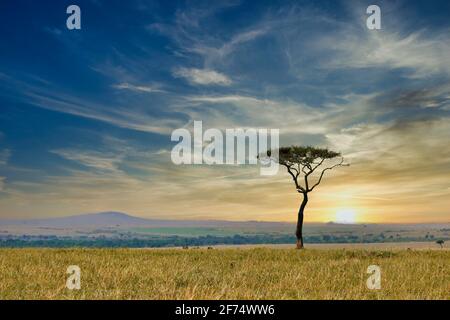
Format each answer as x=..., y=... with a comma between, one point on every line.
x=223, y=274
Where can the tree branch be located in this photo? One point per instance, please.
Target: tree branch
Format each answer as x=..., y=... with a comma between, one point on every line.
x=341, y=163
x=317, y=165
x=294, y=177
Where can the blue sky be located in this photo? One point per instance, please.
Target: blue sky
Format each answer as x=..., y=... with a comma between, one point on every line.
x=86, y=115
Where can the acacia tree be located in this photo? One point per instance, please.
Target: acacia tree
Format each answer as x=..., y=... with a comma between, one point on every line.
x=301, y=163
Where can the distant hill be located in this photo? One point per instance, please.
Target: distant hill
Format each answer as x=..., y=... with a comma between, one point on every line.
x=113, y=219
x=102, y=219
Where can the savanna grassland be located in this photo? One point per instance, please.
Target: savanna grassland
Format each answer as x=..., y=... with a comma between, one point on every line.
x=258, y=273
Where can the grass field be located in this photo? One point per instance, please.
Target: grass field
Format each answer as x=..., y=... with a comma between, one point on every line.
x=257, y=273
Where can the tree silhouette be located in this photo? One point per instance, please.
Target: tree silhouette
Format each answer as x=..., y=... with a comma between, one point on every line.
x=302, y=163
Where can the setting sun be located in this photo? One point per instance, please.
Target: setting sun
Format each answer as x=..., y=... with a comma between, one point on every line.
x=345, y=216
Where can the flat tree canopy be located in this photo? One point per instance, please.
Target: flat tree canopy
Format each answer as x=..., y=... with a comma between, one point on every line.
x=304, y=160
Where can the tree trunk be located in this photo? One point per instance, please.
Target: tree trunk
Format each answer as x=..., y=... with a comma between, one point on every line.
x=298, y=232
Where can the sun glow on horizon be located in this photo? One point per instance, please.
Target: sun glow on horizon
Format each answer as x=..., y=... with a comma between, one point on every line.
x=345, y=216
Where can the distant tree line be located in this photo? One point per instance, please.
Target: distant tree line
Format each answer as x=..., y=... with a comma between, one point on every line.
x=178, y=241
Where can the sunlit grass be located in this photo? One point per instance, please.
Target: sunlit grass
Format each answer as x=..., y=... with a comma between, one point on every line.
x=223, y=274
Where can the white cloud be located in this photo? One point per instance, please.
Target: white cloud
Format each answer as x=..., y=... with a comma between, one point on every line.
x=137, y=88
x=51, y=97
x=119, y=116
x=237, y=111
x=213, y=53
x=422, y=52
x=226, y=99
x=190, y=35
x=202, y=76
x=97, y=160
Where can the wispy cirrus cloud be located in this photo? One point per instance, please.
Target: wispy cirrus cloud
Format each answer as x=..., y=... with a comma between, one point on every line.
x=228, y=111
x=188, y=32
x=423, y=53
x=214, y=54
x=97, y=160
x=138, y=88
x=51, y=97
x=123, y=117
x=202, y=76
